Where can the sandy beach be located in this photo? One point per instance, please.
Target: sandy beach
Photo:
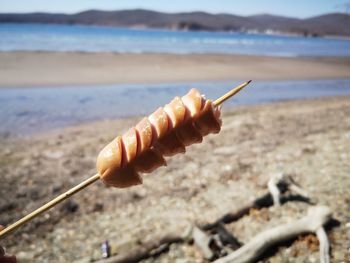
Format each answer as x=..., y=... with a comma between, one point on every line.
x=304, y=139
x=26, y=69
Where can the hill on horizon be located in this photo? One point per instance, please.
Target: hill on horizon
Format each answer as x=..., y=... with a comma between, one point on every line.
x=329, y=24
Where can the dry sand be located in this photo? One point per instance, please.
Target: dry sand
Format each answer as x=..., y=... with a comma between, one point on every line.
x=301, y=138
x=49, y=68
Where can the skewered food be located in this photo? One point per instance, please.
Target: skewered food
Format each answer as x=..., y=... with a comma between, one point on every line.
x=166, y=132
x=139, y=150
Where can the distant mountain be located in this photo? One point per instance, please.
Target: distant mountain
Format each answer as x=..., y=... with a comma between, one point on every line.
x=329, y=24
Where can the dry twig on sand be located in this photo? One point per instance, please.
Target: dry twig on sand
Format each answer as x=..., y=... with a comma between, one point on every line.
x=313, y=222
x=275, y=189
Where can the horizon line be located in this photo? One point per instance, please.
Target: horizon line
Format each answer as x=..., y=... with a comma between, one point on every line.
x=170, y=13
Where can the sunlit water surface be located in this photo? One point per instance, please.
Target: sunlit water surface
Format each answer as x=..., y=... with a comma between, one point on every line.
x=24, y=111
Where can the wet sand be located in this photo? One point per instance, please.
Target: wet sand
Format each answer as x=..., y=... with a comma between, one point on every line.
x=26, y=69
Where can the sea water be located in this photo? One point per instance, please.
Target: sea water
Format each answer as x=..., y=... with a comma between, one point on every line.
x=25, y=111
x=50, y=37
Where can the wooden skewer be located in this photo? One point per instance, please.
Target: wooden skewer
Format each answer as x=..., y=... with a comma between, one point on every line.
x=92, y=179
x=231, y=93
x=49, y=205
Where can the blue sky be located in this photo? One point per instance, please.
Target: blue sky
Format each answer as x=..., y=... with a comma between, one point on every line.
x=294, y=8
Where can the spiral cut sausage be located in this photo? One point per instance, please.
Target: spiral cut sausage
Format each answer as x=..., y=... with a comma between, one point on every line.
x=166, y=132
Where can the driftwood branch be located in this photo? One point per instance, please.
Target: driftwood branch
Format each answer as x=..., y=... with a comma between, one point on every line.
x=274, y=190
x=279, y=182
x=158, y=246
x=282, y=184
x=203, y=242
x=313, y=222
x=324, y=245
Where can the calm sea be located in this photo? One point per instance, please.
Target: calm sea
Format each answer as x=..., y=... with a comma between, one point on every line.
x=105, y=39
x=24, y=111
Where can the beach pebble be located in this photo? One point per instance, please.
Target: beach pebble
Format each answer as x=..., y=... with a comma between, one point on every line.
x=70, y=206
x=53, y=154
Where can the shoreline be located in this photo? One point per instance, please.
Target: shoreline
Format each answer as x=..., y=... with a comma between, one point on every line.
x=40, y=68
x=133, y=119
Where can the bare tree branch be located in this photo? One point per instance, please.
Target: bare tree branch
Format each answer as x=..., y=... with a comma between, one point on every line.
x=313, y=222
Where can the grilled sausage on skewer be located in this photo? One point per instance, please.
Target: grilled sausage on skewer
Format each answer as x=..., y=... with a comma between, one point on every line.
x=166, y=132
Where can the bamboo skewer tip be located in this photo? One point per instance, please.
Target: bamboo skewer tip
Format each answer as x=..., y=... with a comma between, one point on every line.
x=231, y=93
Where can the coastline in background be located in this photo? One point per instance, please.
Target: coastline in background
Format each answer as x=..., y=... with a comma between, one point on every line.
x=322, y=25
x=77, y=38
